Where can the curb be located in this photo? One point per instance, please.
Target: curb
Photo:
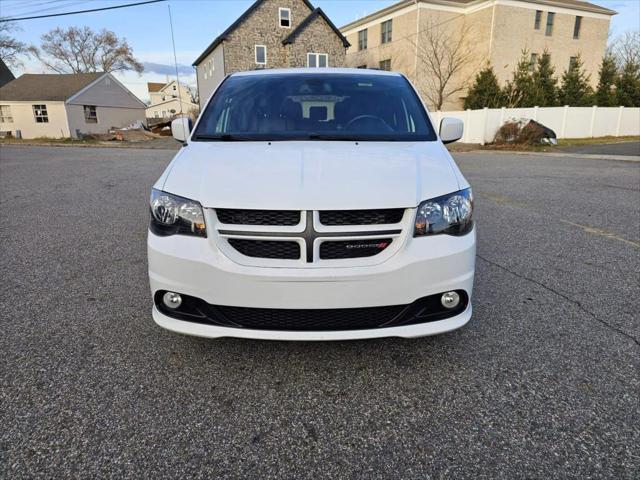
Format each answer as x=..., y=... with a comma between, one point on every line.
x=587, y=156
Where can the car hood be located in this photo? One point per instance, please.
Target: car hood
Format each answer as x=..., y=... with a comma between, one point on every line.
x=311, y=175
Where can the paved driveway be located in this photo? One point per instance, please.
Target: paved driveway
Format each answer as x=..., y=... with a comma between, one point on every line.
x=543, y=383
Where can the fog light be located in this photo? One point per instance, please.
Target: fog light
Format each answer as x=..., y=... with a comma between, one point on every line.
x=172, y=300
x=450, y=300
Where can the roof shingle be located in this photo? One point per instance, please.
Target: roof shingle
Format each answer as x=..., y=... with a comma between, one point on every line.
x=154, y=86
x=50, y=87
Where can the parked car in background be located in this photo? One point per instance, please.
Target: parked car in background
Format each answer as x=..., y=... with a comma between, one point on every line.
x=312, y=204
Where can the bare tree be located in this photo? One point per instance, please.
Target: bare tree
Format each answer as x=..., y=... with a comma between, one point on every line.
x=81, y=50
x=442, y=55
x=10, y=48
x=626, y=48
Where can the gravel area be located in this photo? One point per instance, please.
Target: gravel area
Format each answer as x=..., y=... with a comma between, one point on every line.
x=542, y=383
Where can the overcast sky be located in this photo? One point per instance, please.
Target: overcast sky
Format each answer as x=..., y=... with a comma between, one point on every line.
x=196, y=24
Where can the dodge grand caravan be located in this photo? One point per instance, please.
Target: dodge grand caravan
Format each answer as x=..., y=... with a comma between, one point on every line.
x=312, y=204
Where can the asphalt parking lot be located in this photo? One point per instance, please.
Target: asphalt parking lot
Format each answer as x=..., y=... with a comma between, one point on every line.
x=544, y=381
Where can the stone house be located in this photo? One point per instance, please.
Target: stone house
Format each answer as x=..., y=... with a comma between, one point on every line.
x=168, y=99
x=271, y=34
x=66, y=105
x=498, y=32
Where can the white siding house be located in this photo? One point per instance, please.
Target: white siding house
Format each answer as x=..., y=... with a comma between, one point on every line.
x=169, y=99
x=63, y=106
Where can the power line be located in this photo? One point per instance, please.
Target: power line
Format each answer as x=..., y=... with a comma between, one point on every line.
x=80, y=11
x=9, y=18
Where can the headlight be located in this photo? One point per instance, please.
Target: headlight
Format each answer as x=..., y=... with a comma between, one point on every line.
x=171, y=215
x=450, y=214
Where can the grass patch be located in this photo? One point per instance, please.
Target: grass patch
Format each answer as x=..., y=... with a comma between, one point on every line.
x=565, y=142
x=47, y=141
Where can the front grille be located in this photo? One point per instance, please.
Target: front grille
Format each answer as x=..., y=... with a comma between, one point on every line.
x=236, y=216
x=361, y=217
x=426, y=309
x=332, y=250
x=281, y=250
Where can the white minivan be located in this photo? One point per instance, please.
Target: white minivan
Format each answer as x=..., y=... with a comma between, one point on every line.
x=312, y=204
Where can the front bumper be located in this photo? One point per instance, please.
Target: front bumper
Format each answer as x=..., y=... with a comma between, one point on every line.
x=408, y=331
x=422, y=267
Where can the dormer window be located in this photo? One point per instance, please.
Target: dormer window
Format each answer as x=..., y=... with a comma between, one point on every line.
x=285, y=17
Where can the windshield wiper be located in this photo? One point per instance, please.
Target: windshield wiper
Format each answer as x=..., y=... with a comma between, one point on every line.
x=225, y=137
x=319, y=136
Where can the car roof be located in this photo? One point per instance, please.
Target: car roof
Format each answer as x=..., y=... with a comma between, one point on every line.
x=316, y=71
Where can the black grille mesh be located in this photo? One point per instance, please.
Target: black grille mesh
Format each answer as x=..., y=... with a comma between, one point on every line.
x=236, y=216
x=361, y=217
x=281, y=250
x=300, y=320
x=353, y=248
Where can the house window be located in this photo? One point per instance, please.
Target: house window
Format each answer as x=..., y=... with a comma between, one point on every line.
x=576, y=28
x=261, y=54
x=362, y=39
x=211, y=67
x=385, y=65
x=90, y=114
x=317, y=60
x=387, y=28
x=40, y=113
x=573, y=61
x=538, y=21
x=550, y=17
x=174, y=88
x=285, y=17
x=156, y=114
x=533, y=61
x=5, y=114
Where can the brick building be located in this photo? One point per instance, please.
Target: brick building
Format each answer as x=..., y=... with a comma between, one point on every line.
x=498, y=32
x=271, y=34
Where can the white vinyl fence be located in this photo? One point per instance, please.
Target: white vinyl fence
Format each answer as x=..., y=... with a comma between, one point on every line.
x=480, y=126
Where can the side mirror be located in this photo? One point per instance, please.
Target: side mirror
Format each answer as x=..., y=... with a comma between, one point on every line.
x=451, y=130
x=180, y=128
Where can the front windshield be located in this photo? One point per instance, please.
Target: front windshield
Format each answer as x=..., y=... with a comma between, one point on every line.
x=315, y=107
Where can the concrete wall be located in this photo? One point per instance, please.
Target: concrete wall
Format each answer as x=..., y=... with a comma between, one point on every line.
x=210, y=73
x=401, y=50
x=514, y=31
x=480, y=126
x=441, y=27
x=24, y=120
x=499, y=32
x=108, y=117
